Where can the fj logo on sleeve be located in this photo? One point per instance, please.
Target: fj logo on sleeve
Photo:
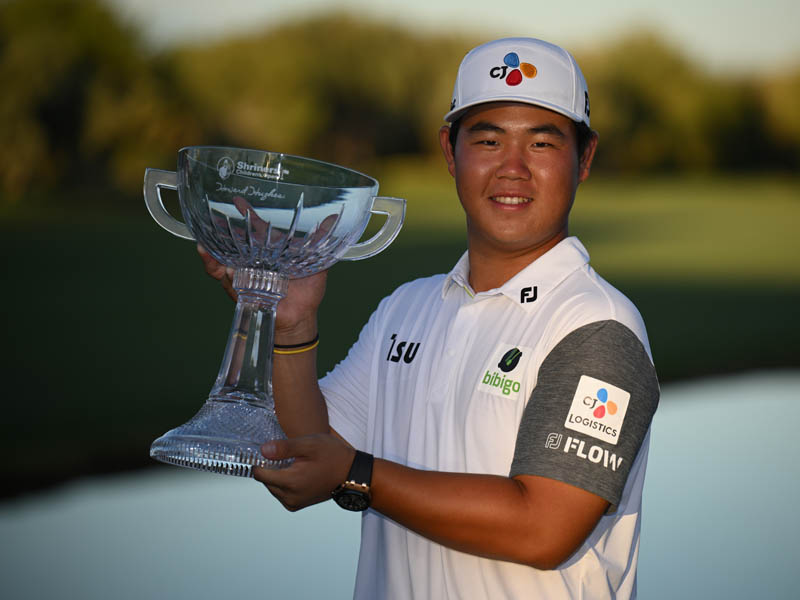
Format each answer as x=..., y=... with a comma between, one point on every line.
x=598, y=409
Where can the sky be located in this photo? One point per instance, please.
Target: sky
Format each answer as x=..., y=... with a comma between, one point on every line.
x=735, y=36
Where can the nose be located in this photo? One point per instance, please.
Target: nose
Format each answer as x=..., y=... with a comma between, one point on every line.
x=513, y=165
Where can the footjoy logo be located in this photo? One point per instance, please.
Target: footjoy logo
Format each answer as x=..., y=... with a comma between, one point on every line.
x=598, y=409
x=512, y=70
x=596, y=454
x=528, y=294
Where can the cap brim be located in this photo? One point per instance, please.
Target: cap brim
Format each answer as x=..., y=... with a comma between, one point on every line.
x=457, y=113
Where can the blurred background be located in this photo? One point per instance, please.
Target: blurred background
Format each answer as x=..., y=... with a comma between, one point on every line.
x=113, y=334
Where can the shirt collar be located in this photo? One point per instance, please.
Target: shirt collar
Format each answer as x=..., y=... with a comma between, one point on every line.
x=534, y=281
x=459, y=277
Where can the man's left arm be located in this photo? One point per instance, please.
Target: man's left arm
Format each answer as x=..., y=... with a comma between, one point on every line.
x=532, y=520
x=571, y=460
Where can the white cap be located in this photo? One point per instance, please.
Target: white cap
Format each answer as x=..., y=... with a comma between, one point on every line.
x=521, y=70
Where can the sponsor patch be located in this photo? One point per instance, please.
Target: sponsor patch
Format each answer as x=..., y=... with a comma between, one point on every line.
x=598, y=409
x=505, y=370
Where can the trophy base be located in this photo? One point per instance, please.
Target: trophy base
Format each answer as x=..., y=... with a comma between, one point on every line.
x=223, y=437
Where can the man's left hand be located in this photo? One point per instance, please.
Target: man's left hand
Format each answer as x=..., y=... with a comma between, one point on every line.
x=321, y=463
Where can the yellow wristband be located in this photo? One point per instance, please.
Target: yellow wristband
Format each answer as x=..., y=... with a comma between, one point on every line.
x=311, y=346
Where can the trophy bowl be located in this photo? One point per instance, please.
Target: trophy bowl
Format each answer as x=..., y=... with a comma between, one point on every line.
x=271, y=217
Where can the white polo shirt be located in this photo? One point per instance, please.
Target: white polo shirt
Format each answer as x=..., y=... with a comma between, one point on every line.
x=548, y=375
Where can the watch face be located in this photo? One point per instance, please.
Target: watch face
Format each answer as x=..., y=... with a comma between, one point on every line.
x=351, y=500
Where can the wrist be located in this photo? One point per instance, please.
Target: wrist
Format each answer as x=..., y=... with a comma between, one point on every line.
x=300, y=333
x=298, y=348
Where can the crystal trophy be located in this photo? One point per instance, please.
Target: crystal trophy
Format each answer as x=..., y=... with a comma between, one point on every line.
x=270, y=217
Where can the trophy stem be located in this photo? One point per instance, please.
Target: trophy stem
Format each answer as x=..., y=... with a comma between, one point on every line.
x=225, y=436
x=246, y=371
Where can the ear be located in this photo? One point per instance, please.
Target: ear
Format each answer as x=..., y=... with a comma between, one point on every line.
x=447, y=149
x=585, y=163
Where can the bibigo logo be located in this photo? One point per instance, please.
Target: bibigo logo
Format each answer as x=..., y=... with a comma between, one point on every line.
x=512, y=70
x=505, y=371
x=598, y=409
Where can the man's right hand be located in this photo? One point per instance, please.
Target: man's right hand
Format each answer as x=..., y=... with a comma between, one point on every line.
x=218, y=271
x=296, y=319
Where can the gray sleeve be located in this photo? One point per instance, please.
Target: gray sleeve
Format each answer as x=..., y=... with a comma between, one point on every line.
x=595, y=396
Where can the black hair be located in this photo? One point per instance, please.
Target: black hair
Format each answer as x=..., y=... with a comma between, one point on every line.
x=583, y=135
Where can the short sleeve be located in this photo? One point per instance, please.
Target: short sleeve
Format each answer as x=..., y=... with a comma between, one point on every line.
x=595, y=396
x=346, y=389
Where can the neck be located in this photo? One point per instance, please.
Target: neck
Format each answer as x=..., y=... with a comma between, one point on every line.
x=490, y=268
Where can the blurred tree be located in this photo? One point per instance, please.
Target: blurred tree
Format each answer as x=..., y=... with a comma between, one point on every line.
x=647, y=104
x=81, y=102
x=656, y=111
x=333, y=87
x=780, y=96
x=85, y=108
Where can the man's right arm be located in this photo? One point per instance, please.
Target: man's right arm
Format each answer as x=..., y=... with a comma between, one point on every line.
x=298, y=400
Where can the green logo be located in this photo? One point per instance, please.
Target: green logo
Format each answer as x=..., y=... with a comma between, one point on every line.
x=510, y=360
x=506, y=386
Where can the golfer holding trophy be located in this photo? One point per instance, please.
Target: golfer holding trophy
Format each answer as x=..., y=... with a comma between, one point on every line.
x=492, y=423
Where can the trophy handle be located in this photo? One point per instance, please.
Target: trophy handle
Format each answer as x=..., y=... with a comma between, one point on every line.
x=154, y=180
x=395, y=211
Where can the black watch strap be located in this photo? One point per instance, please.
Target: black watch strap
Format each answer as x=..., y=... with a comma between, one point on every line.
x=354, y=493
x=361, y=469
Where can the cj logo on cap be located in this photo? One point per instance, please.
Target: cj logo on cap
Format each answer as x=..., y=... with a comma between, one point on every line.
x=513, y=70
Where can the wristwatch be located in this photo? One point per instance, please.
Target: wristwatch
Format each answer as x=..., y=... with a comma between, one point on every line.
x=353, y=494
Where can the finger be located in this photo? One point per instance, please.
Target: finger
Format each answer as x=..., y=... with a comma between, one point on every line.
x=268, y=478
x=280, y=449
x=212, y=266
x=280, y=482
x=278, y=492
x=228, y=287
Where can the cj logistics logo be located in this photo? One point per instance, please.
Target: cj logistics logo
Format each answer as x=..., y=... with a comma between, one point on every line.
x=512, y=70
x=605, y=405
x=598, y=409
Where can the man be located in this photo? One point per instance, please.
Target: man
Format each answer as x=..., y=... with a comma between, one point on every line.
x=494, y=420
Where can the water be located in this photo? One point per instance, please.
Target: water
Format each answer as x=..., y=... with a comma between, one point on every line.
x=720, y=518
x=723, y=490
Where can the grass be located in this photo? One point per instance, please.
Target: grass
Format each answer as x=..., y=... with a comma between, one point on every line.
x=113, y=334
x=713, y=228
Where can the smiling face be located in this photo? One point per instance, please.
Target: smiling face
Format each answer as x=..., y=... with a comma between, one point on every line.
x=516, y=168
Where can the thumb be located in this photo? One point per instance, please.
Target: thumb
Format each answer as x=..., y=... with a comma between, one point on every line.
x=280, y=449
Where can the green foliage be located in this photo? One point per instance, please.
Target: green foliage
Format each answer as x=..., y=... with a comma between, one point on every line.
x=333, y=87
x=82, y=104
x=656, y=111
x=85, y=108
